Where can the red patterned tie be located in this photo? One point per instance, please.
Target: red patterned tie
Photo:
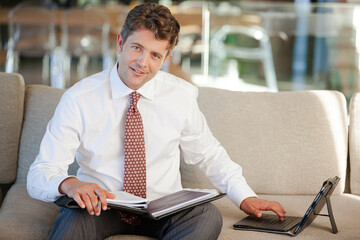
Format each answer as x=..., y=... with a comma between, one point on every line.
x=135, y=162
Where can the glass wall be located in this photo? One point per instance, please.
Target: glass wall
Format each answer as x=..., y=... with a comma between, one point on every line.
x=257, y=46
x=247, y=45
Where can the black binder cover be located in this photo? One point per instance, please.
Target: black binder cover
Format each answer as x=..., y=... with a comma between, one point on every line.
x=157, y=208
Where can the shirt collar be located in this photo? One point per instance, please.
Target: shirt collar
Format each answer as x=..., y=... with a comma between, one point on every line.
x=119, y=89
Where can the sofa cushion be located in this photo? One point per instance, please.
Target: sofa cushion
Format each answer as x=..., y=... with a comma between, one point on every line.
x=40, y=104
x=15, y=217
x=286, y=142
x=22, y=217
x=354, y=143
x=12, y=94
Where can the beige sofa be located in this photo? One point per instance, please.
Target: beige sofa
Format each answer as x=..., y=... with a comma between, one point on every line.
x=288, y=143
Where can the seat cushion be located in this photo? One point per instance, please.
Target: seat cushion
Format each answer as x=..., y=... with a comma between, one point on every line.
x=22, y=217
x=30, y=218
x=346, y=208
x=12, y=94
x=285, y=142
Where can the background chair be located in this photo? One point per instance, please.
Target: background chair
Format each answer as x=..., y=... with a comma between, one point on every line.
x=32, y=35
x=84, y=42
x=263, y=53
x=190, y=47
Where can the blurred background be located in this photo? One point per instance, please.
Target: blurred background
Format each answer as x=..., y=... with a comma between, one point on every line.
x=236, y=45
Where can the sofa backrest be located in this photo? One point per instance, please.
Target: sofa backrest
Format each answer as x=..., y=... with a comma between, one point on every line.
x=40, y=104
x=12, y=93
x=287, y=142
x=354, y=143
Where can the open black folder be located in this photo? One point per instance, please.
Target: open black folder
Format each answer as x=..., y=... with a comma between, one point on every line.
x=160, y=207
x=294, y=225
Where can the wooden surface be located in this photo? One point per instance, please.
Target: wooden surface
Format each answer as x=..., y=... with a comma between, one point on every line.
x=117, y=15
x=114, y=14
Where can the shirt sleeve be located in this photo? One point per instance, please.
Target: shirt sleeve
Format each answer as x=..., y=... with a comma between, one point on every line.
x=57, y=151
x=201, y=148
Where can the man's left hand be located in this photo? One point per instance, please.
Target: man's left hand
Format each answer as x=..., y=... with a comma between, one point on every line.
x=254, y=206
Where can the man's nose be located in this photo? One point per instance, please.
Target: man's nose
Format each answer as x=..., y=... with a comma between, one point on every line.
x=143, y=59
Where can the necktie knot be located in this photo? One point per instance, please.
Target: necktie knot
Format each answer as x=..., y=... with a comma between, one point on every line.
x=134, y=98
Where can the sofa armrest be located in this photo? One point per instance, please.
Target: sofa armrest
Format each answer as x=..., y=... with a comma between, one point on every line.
x=12, y=92
x=354, y=147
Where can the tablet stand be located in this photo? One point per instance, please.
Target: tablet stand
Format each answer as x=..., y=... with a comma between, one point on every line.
x=330, y=215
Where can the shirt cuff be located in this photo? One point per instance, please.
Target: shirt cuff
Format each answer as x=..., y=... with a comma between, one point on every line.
x=54, y=186
x=239, y=193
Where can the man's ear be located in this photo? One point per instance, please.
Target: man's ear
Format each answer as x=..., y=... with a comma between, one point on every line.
x=119, y=43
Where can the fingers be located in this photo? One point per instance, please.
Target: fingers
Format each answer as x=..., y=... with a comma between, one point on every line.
x=102, y=195
x=87, y=199
x=276, y=208
x=110, y=195
x=94, y=202
x=280, y=212
x=254, y=206
x=255, y=212
x=97, y=197
x=79, y=200
x=87, y=195
x=250, y=206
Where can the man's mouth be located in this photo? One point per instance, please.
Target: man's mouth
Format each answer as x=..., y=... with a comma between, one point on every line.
x=137, y=71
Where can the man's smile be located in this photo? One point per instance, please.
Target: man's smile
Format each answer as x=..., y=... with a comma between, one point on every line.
x=136, y=71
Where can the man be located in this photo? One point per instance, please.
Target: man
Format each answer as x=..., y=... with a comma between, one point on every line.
x=92, y=123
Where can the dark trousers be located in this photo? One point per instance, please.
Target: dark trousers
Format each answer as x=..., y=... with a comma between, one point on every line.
x=201, y=222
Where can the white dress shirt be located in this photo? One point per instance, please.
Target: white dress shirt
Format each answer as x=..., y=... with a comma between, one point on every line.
x=88, y=125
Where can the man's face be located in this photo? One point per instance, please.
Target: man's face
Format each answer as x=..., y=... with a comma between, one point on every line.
x=140, y=57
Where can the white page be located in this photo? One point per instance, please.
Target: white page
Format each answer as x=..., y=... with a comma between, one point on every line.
x=127, y=199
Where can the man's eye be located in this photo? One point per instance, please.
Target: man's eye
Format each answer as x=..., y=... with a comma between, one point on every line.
x=156, y=56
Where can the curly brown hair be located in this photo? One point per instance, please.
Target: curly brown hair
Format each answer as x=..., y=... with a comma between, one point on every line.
x=154, y=17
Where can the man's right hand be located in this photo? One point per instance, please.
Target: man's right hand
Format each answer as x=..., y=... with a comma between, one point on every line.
x=87, y=195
